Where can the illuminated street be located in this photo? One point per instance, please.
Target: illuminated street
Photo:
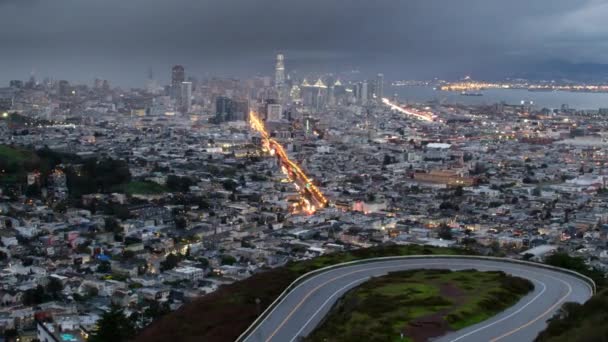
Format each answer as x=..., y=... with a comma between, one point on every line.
x=312, y=198
x=425, y=116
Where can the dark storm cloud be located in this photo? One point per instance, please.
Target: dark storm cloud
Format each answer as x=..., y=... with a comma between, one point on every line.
x=116, y=39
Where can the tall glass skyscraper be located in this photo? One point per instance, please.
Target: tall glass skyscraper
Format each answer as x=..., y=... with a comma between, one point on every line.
x=178, y=75
x=279, y=75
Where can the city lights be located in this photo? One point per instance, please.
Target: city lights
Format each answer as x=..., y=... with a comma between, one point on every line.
x=289, y=168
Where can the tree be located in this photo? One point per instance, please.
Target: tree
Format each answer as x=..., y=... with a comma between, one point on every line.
x=170, y=262
x=204, y=263
x=229, y=185
x=113, y=326
x=34, y=296
x=180, y=222
x=445, y=232
x=33, y=190
x=156, y=310
x=104, y=267
x=458, y=192
x=97, y=176
x=228, y=259
x=179, y=184
x=11, y=335
x=448, y=206
x=387, y=160
x=54, y=287
x=111, y=225
x=127, y=255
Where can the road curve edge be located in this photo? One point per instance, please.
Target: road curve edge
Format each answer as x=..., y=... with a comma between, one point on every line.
x=301, y=278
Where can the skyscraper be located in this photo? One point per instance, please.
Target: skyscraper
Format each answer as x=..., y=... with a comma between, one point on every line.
x=279, y=75
x=178, y=75
x=186, y=97
x=379, y=87
x=227, y=109
x=274, y=112
x=64, y=88
x=363, y=94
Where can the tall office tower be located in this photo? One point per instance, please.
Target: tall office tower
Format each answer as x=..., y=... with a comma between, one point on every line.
x=64, y=88
x=363, y=94
x=178, y=75
x=17, y=84
x=264, y=110
x=379, y=87
x=186, y=97
x=241, y=110
x=357, y=91
x=224, y=109
x=97, y=84
x=279, y=75
x=274, y=112
x=331, y=96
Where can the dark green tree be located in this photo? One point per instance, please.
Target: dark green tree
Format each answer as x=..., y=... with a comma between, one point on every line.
x=34, y=296
x=111, y=225
x=104, y=267
x=54, y=287
x=156, y=310
x=113, y=326
x=228, y=260
x=170, y=262
x=445, y=232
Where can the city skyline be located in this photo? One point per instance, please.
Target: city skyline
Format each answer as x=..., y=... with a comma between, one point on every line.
x=421, y=39
x=303, y=170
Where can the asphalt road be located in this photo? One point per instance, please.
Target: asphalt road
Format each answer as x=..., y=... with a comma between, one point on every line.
x=305, y=306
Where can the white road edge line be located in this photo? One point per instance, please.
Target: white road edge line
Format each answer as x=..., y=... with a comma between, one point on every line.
x=345, y=287
x=506, y=317
x=464, y=266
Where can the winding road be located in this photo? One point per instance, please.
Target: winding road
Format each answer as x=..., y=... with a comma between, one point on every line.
x=303, y=308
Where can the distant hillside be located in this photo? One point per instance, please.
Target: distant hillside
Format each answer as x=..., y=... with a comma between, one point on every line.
x=561, y=70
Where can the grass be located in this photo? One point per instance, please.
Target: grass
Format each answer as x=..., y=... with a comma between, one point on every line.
x=385, y=307
x=14, y=155
x=143, y=188
x=224, y=314
x=14, y=164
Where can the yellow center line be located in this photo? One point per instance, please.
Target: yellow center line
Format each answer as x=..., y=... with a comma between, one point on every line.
x=305, y=298
x=309, y=293
x=333, y=279
x=553, y=307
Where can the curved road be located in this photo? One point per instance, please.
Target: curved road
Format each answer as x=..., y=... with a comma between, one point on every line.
x=304, y=307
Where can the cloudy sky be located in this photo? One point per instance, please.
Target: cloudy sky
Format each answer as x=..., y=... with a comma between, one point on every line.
x=120, y=39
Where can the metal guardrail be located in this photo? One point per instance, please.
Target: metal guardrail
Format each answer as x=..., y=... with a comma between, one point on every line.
x=303, y=277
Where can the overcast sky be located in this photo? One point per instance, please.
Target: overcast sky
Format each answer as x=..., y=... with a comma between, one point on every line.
x=120, y=39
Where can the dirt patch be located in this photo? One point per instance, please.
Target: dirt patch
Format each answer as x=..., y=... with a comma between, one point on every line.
x=455, y=294
x=427, y=327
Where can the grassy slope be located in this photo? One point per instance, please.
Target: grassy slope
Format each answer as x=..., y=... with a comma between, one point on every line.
x=381, y=308
x=226, y=313
x=579, y=323
x=575, y=322
x=15, y=162
x=14, y=155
